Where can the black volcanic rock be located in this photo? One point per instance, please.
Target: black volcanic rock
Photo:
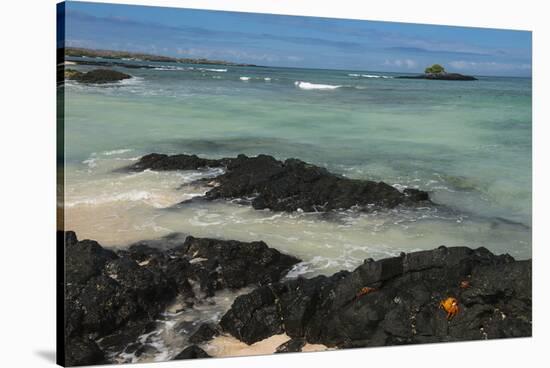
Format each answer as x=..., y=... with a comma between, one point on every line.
x=440, y=76
x=104, y=292
x=96, y=76
x=117, y=296
x=215, y=264
x=291, y=346
x=161, y=162
x=84, y=259
x=192, y=352
x=254, y=316
x=205, y=333
x=83, y=351
x=287, y=186
x=237, y=264
x=402, y=308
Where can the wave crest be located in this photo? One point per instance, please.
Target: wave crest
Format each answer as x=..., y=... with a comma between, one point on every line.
x=369, y=76
x=308, y=86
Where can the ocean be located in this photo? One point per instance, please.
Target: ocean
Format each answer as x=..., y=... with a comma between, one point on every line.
x=467, y=143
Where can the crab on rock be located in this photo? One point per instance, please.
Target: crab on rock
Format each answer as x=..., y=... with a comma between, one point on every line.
x=450, y=305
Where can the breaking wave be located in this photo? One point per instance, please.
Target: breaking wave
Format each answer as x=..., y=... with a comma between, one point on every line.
x=369, y=76
x=310, y=86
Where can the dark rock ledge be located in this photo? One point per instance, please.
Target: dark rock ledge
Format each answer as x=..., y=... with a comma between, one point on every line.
x=115, y=297
x=441, y=76
x=402, y=307
x=96, y=76
x=286, y=186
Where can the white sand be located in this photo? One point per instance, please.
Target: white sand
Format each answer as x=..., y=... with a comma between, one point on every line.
x=228, y=346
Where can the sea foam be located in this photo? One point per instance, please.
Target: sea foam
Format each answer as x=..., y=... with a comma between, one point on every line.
x=369, y=76
x=307, y=85
x=212, y=70
x=117, y=152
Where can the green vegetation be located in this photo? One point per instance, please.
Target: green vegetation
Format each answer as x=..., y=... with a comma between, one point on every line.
x=435, y=69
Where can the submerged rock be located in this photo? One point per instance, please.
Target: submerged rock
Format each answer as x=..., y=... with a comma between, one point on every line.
x=291, y=185
x=96, y=76
x=402, y=305
x=117, y=296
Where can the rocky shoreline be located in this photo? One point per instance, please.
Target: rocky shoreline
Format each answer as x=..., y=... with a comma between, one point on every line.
x=393, y=301
x=116, y=296
x=112, y=298
x=290, y=185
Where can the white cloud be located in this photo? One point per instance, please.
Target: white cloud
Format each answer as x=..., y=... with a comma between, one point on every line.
x=401, y=63
x=488, y=66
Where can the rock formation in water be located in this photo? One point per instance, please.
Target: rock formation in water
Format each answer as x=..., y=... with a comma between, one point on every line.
x=437, y=72
x=445, y=76
x=96, y=76
x=393, y=301
x=288, y=185
x=116, y=296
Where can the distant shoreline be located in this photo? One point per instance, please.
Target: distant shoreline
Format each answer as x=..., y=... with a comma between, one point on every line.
x=135, y=56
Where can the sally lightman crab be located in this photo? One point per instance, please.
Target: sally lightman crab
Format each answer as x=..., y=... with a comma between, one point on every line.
x=450, y=305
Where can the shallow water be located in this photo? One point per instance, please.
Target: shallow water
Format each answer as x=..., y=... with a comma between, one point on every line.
x=468, y=144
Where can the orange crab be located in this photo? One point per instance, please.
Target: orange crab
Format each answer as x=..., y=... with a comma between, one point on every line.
x=365, y=290
x=450, y=305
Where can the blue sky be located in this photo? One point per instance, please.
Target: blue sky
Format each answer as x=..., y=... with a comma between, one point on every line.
x=290, y=41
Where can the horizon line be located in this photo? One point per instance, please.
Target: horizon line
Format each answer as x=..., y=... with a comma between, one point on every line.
x=241, y=64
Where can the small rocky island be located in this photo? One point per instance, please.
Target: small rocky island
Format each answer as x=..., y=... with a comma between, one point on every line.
x=437, y=72
x=96, y=76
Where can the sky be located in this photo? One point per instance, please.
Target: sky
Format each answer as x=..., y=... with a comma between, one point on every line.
x=292, y=41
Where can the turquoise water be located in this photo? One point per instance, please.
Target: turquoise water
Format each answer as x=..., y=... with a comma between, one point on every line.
x=467, y=143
